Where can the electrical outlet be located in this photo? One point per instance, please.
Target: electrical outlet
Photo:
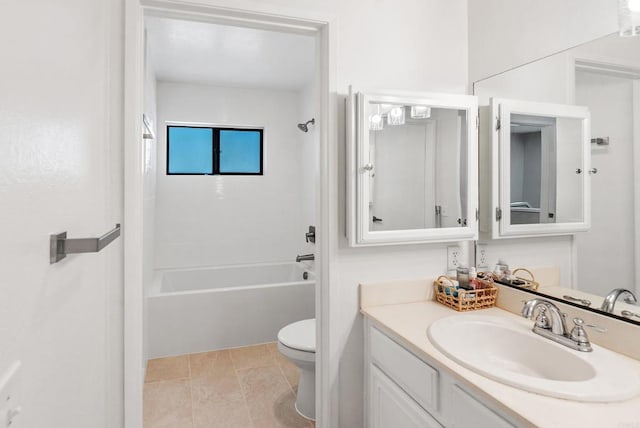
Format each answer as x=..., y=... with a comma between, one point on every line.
x=481, y=256
x=453, y=257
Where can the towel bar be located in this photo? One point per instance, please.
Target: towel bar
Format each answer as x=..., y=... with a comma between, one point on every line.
x=60, y=246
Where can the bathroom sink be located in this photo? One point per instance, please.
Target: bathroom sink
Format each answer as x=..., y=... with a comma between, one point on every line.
x=509, y=352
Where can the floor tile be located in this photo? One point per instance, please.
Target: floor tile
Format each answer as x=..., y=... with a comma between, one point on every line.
x=252, y=356
x=211, y=363
x=247, y=387
x=225, y=414
x=168, y=404
x=215, y=388
x=283, y=414
x=269, y=397
x=169, y=368
x=291, y=371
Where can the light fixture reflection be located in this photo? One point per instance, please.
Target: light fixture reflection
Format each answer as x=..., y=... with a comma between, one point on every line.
x=629, y=17
x=420, y=112
x=396, y=116
x=375, y=120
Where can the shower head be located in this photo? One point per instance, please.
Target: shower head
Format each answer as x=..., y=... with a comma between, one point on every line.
x=304, y=127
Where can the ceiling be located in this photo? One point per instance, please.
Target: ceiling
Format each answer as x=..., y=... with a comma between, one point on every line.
x=205, y=53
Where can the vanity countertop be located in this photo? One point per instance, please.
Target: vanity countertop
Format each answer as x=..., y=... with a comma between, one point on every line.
x=407, y=323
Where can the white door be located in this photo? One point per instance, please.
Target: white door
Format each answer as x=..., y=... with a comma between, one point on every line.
x=61, y=170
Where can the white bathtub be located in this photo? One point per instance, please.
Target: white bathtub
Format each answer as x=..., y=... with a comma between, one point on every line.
x=203, y=309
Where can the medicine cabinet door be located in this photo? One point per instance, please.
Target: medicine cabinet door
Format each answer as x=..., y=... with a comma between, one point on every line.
x=540, y=168
x=412, y=168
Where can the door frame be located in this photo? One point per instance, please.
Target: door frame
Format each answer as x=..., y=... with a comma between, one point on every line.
x=246, y=14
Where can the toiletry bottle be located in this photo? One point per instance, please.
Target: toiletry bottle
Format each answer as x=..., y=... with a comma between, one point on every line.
x=502, y=269
x=462, y=275
x=473, y=278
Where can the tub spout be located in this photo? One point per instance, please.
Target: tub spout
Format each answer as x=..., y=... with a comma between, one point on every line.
x=305, y=257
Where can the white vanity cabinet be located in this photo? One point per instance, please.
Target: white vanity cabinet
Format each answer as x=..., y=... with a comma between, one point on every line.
x=404, y=391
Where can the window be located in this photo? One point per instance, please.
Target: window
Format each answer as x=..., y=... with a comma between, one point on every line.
x=213, y=151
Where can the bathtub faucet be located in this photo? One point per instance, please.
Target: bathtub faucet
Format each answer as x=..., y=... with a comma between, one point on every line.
x=305, y=257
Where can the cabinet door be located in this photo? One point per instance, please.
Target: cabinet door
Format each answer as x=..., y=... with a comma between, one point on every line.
x=391, y=407
x=412, y=166
x=539, y=166
x=472, y=413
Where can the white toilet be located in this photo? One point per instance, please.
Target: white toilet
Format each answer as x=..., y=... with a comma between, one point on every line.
x=297, y=342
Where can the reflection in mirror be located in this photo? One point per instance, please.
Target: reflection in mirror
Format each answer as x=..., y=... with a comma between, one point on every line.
x=532, y=141
x=545, y=169
x=603, y=75
x=416, y=181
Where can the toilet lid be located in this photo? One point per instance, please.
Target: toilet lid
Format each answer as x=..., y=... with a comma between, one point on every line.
x=300, y=335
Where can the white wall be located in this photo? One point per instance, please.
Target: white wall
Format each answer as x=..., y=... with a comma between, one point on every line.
x=61, y=170
x=505, y=34
x=426, y=51
x=225, y=220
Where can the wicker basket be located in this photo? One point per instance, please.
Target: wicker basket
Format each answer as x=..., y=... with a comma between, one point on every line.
x=465, y=300
x=529, y=284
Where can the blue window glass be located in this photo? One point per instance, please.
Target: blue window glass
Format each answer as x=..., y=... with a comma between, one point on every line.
x=240, y=151
x=190, y=150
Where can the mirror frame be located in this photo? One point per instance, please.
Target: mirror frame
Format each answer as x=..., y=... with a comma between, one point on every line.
x=358, y=232
x=501, y=109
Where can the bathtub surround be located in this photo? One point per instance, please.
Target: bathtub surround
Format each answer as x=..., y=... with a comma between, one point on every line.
x=227, y=220
x=205, y=309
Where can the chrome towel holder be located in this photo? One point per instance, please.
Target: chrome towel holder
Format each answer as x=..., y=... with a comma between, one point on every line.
x=60, y=246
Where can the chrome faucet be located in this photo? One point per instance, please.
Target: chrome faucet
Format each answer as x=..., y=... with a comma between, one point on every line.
x=305, y=257
x=610, y=300
x=557, y=325
x=554, y=327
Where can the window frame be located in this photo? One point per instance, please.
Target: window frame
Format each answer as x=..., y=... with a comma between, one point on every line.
x=215, y=143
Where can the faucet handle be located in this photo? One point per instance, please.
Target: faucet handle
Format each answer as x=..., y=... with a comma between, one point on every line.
x=578, y=334
x=580, y=322
x=542, y=320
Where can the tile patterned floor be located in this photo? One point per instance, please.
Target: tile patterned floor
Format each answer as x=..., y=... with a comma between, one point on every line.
x=252, y=387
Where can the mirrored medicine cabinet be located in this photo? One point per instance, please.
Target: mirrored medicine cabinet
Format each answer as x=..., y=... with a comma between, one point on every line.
x=535, y=168
x=412, y=168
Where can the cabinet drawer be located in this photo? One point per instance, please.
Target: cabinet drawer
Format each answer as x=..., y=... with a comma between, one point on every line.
x=413, y=375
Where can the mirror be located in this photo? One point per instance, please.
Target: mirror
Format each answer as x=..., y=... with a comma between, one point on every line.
x=604, y=76
x=540, y=155
x=413, y=163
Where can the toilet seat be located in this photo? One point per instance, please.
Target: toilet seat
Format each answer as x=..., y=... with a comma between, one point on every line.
x=300, y=335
